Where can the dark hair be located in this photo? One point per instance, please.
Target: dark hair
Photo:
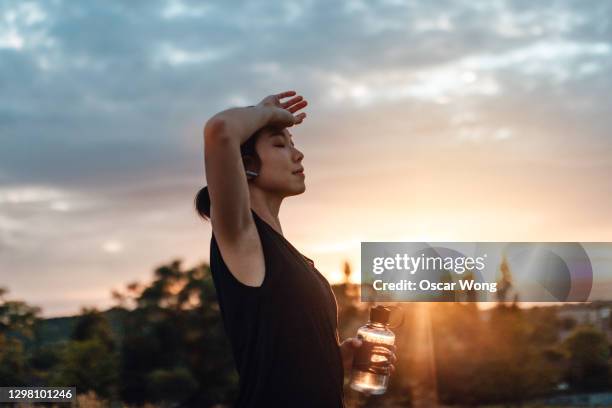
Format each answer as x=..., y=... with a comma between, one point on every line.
x=202, y=198
x=202, y=203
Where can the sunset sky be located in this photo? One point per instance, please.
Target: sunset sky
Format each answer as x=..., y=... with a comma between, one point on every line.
x=427, y=121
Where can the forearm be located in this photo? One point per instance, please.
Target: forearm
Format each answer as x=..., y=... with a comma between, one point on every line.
x=239, y=123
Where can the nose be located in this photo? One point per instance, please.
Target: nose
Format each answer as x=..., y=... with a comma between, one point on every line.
x=298, y=155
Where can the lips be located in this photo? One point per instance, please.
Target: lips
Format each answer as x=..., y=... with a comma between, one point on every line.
x=299, y=171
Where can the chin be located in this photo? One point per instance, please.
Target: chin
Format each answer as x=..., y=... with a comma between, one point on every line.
x=297, y=191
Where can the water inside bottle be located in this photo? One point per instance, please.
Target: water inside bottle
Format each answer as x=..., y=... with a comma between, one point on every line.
x=365, y=381
x=369, y=383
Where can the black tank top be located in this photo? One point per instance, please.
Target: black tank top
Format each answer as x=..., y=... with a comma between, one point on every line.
x=283, y=333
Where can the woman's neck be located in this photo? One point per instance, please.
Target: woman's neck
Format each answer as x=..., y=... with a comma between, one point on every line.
x=267, y=207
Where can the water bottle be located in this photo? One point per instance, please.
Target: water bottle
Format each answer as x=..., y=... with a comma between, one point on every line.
x=370, y=371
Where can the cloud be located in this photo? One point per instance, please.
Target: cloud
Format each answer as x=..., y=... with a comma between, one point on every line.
x=23, y=195
x=112, y=246
x=477, y=75
x=175, y=56
x=179, y=9
x=20, y=27
x=104, y=103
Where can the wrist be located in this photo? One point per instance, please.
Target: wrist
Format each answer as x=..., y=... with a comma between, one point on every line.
x=266, y=113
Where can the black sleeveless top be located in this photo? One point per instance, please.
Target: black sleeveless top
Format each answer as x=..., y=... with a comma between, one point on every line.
x=283, y=333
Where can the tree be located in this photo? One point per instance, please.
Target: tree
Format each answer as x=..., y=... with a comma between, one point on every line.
x=175, y=336
x=171, y=385
x=89, y=361
x=93, y=325
x=17, y=320
x=89, y=365
x=589, y=352
x=490, y=361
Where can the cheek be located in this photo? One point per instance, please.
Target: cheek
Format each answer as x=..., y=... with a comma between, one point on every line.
x=276, y=161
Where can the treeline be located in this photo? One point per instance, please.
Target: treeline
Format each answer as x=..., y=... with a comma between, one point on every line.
x=170, y=346
x=510, y=354
x=164, y=343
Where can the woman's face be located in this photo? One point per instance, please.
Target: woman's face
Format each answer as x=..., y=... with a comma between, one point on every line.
x=281, y=170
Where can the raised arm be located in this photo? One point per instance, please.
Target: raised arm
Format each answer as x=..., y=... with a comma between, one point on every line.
x=223, y=135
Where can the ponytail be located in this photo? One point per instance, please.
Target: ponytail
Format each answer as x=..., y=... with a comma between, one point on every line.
x=202, y=203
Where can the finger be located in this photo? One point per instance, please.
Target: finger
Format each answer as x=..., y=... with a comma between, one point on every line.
x=285, y=94
x=300, y=117
x=348, y=340
x=382, y=350
x=292, y=101
x=297, y=106
x=392, y=368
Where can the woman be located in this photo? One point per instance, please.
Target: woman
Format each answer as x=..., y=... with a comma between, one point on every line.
x=279, y=312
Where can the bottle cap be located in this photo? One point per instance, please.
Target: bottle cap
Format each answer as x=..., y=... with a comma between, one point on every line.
x=380, y=314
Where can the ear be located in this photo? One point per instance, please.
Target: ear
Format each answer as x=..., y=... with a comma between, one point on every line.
x=250, y=163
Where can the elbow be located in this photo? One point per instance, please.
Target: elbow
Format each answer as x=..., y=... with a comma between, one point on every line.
x=215, y=129
x=214, y=126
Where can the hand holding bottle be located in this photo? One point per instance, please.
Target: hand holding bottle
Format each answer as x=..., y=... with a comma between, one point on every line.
x=351, y=344
x=373, y=353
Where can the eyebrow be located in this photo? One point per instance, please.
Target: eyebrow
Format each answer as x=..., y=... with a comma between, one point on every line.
x=280, y=134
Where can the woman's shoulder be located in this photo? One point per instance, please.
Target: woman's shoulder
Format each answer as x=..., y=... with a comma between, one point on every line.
x=240, y=263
